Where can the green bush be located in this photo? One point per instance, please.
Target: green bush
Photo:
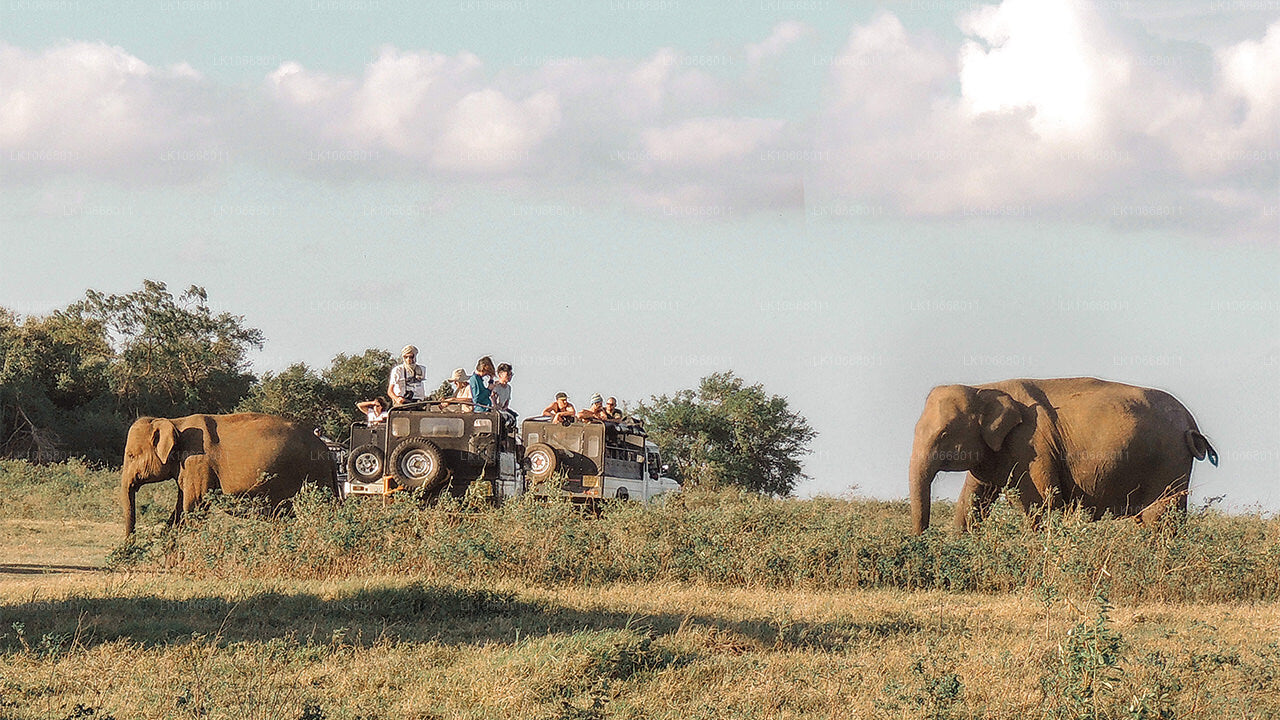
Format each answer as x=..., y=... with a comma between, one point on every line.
x=735, y=539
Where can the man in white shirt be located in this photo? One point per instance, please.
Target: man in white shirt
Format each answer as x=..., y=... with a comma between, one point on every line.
x=407, y=378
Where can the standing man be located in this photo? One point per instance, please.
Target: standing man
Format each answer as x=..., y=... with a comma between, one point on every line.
x=407, y=378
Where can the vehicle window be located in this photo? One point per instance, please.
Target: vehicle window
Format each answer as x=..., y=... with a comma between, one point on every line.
x=484, y=425
x=533, y=438
x=400, y=426
x=441, y=427
x=593, y=446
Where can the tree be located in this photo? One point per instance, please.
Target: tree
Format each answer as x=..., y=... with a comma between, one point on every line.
x=327, y=400
x=53, y=387
x=351, y=379
x=172, y=356
x=296, y=393
x=729, y=433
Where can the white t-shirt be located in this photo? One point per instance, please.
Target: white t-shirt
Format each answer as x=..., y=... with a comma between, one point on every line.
x=404, y=380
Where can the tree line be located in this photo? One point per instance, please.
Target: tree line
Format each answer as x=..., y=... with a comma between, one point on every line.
x=72, y=381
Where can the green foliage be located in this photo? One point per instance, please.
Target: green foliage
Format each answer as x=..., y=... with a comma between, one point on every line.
x=72, y=381
x=729, y=433
x=933, y=688
x=173, y=356
x=737, y=539
x=297, y=393
x=326, y=400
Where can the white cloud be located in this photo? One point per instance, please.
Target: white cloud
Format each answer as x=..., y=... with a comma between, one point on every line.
x=707, y=143
x=94, y=107
x=784, y=35
x=1047, y=106
x=1049, y=57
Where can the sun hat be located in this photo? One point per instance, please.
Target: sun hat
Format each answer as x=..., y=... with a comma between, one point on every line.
x=561, y=396
x=459, y=375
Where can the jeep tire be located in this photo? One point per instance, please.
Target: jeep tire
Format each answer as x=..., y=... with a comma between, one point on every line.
x=417, y=463
x=542, y=462
x=365, y=464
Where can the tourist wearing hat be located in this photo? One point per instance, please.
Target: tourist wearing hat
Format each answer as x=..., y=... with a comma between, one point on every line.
x=595, y=413
x=406, y=378
x=561, y=410
x=461, y=400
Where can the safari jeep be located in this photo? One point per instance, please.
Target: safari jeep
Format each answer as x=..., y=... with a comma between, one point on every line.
x=593, y=460
x=425, y=445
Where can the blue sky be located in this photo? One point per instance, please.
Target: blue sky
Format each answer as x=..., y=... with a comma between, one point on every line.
x=848, y=202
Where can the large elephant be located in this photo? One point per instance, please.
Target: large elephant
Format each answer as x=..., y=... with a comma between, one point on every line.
x=1109, y=446
x=246, y=454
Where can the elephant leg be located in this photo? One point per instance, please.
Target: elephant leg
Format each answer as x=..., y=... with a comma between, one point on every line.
x=193, y=483
x=176, y=515
x=1029, y=497
x=975, y=502
x=1171, y=497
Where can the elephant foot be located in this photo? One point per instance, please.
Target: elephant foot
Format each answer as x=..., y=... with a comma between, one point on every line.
x=1151, y=514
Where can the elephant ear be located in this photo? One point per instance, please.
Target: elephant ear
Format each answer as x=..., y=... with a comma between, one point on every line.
x=166, y=438
x=999, y=415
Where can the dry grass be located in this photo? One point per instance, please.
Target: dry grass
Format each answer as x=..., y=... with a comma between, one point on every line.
x=182, y=635
x=158, y=646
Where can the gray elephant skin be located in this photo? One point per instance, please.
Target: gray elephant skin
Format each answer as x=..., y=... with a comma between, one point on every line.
x=1110, y=447
x=243, y=454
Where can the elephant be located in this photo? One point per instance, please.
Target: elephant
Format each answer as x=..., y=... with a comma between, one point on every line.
x=1109, y=446
x=243, y=454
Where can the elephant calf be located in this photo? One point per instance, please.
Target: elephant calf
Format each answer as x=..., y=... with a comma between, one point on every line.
x=246, y=454
x=1111, y=447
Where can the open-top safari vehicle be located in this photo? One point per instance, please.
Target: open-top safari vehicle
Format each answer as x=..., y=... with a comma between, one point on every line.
x=592, y=460
x=433, y=446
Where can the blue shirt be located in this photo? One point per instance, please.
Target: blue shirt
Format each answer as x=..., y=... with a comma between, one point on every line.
x=479, y=393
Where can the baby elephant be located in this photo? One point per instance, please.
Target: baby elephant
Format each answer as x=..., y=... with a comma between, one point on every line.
x=246, y=454
x=1109, y=446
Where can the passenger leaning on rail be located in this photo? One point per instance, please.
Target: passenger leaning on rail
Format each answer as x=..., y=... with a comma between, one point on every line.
x=561, y=410
x=594, y=413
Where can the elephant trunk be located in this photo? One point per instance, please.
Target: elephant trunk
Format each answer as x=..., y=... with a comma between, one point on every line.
x=129, y=498
x=922, y=472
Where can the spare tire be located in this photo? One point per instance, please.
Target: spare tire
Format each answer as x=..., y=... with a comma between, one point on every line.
x=365, y=464
x=542, y=462
x=417, y=463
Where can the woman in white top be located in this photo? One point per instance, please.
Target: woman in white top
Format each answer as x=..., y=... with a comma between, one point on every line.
x=374, y=410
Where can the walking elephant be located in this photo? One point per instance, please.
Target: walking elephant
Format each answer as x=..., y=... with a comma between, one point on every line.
x=246, y=454
x=1109, y=446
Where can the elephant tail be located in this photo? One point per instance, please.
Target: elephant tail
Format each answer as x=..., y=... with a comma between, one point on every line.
x=1200, y=447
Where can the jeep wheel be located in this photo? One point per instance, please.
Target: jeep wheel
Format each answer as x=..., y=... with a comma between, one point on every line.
x=365, y=464
x=542, y=461
x=417, y=463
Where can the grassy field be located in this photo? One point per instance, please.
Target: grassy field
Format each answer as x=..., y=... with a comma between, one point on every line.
x=713, y=606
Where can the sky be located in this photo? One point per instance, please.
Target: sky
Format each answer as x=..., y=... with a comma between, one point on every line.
x=848, y=202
